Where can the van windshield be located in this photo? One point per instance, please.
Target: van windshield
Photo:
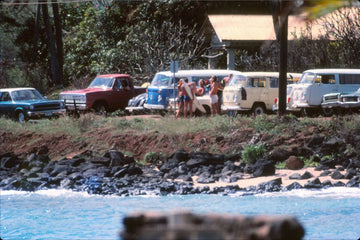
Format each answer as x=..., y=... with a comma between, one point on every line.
x=237, y=81
x=307, y=77
x=160, y=80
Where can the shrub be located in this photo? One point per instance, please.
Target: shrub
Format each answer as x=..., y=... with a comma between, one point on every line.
x=280, y=165
x=152, y=157
x=252, y=153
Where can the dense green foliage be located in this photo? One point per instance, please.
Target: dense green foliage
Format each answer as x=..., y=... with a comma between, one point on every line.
x=252, y=153
x=142, y=37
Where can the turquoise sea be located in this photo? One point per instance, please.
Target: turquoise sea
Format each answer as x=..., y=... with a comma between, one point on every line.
x=332, y=213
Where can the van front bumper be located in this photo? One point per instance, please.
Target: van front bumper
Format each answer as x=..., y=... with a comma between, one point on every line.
x=154, y=106
x=331, y=104
x=231, y=108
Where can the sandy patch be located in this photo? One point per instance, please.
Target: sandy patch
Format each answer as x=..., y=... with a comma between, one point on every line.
x=284, y=174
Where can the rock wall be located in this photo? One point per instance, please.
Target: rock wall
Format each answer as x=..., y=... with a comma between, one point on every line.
x=189, y=226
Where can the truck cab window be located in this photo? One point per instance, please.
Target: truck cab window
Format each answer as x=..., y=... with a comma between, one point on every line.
x=124, y=83
x=117, y=84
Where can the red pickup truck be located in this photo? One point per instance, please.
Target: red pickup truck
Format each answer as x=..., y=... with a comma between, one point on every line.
x=106, y=93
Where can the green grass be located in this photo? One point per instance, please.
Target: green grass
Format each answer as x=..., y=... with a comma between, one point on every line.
x=224, y=125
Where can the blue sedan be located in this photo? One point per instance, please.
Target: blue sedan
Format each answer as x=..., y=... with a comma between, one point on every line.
x=23, y=104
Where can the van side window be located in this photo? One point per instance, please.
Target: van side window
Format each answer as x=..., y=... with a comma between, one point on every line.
x=258, y=82
x=274, y=82
x=197, y=78
x=327, y=79
x=176, y=80
x=5, y=97
x=349, y=78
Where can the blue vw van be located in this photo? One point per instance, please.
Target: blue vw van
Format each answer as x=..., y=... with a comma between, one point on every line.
x=163, y=86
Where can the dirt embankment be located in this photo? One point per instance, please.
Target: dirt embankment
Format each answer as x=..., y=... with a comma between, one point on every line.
x=100, y=140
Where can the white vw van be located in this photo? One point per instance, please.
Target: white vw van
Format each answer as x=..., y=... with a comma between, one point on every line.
x=253, y=91
x=313, y=84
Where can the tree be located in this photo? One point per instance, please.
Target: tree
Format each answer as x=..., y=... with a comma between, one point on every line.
x=54, y=48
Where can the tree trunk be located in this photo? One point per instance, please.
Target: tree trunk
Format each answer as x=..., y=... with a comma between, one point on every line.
x=54, y=59
x=280, y=12
x=58, y=36
x=36, y=31
x=283, y=64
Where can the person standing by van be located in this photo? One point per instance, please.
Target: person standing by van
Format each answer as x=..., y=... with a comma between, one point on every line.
x=180, y=99
x=222, y=85
x=188, y=97
x=213, y=95
x=201, y=89
x=226, y=80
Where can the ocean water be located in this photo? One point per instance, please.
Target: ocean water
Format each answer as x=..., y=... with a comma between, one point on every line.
x=332, y=213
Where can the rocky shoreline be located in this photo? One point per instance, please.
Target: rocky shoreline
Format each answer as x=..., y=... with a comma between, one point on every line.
x=180, y=173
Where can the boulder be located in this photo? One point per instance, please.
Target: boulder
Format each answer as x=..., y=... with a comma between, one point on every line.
x=292, y=186
x=100, y=160
x=294, y=163
x=270, y=186
x=205, y=178
x=332, y=145
x=306, y=175
x=315, y=140
x=263, y=167
x=118, y=158
x=354, y=182
x=180, y=155
x=337, y=175
x=9, y=162
x=295, y=176
x=313, y=184
x=168, y=165
x=280, y=154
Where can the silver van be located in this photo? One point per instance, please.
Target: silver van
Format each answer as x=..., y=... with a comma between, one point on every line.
x=307, y=95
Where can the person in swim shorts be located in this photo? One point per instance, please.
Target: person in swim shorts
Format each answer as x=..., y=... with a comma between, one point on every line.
x=180, y=99
x=213, y=95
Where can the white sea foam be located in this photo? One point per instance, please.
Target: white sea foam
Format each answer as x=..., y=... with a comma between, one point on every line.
x=332, y=192
x=61, y=192
x=12, y=192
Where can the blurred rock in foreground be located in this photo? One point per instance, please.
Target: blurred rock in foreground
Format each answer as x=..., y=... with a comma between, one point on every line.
x=186, y=226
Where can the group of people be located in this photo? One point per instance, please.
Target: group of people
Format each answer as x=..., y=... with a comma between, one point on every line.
x=187, y=92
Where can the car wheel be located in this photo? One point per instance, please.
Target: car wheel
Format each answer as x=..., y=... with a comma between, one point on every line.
x=327, y=112
x=20, y=117
x=100, y=108
x=258, y=109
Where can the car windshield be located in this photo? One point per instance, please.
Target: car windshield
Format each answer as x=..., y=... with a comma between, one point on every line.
x=160, y=80
x=307, y=77
x=237, y=80
x=26, y=95
x=101, y=83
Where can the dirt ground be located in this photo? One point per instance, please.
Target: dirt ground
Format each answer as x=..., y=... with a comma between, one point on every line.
x=100, y=140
